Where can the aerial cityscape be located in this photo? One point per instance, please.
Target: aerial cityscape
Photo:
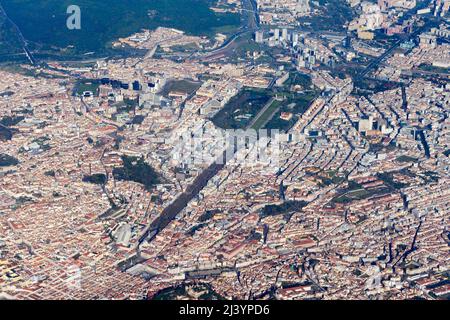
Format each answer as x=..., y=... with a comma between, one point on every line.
x=225, y=149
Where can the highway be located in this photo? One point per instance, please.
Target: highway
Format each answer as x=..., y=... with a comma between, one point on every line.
x=374, y=63
x=22, y=39
x=251, y=24
x=388, y=52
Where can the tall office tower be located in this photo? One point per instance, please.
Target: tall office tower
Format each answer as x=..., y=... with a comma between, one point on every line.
x=441, y=7
x=259, y=36
x=277, y=34
x=294, y=38
x=445, y=8
x=285, y=35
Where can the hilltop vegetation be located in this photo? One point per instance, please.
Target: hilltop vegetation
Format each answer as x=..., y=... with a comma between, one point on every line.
x=44, y=22
x=9, y=42
x=7, y=160
x=137, y=170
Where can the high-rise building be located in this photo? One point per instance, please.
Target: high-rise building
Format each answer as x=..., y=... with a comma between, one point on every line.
x=294, y=39
x=285, y=34
x=259, y=36
x=276, y=34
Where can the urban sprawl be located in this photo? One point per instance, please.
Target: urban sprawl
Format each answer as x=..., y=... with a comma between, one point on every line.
x=111, y=188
